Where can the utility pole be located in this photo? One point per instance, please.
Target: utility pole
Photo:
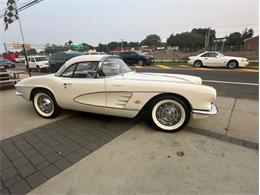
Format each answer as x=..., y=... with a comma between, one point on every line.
x=122, y=45
x=208, y=39
x=5, y=48
x=24, y=50
x=205, y=43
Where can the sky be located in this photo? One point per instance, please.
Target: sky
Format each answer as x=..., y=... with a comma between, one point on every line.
x=102, y=21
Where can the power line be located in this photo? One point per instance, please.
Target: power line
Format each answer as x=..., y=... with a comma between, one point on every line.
x=24, y=6
x=6, y=7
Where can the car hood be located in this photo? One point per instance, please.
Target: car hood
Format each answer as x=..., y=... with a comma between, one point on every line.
x=162, y=77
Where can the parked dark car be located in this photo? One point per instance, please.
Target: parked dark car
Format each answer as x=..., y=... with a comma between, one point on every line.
x=135, y=57
x=56, y=60
x=6, y=63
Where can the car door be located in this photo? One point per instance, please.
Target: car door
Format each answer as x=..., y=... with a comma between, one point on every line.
x=30, y=62
x=133, y=57
x=126, y=57
x=205, y=59
x=214, y=60
x=117, y=94
x=79, y=89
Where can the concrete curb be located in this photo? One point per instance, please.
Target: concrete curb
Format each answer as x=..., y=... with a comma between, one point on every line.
x=225, y=138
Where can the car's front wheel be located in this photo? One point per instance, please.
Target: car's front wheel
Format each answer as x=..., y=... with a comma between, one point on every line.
x=198, y=64
x=140, y=62
x=38, y=69
x=169, y=113
x=45, y=104
x=232, y=64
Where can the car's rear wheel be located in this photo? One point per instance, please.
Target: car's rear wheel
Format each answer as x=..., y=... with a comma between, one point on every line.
x=169, y=113
x=198, y=63
x=140, y=62
x=45, y=104
x=232, y=64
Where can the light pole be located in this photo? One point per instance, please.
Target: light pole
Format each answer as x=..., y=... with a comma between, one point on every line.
x=122, y=45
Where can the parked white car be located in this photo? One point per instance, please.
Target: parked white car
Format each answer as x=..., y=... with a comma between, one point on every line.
x=217, y=59
x=38, y=63
x=104, y=84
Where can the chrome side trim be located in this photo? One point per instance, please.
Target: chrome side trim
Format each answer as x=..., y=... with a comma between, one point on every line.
x=18, y=93
x=212, y=111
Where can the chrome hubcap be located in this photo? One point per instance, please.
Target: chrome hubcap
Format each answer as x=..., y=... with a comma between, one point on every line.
x=168, y=114
x=232, y=64
x=45, y=104
x=197, y=64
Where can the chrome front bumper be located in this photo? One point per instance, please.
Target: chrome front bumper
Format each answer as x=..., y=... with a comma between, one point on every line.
x=197, y=114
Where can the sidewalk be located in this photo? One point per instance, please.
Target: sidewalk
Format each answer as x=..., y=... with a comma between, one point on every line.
x=18, y=115
x=143, y=161
x=236, y=118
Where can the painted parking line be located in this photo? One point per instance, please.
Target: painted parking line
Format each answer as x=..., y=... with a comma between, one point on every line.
x=162, y=66
x=230, y=82
x=137, y=66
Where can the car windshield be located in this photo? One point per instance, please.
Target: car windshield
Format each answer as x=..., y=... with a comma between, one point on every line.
x=110, y=67
x=42, y=58
x=4, y=60
x=140, y=53
x=114, y=66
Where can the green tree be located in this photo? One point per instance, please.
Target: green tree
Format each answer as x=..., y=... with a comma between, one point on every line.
x=247, y=33
x=235, y=39
x=50, y=49
x=133, y=44
x=113, y=45
x=29, y=52
x=70, y=42
x=101, y=47
x=151, y=40
x=193, y=40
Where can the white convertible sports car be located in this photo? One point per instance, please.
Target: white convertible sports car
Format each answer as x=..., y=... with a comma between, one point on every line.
x=104, y=84
x=217, y=59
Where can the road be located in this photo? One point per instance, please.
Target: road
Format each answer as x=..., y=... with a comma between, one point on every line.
x=228, y=83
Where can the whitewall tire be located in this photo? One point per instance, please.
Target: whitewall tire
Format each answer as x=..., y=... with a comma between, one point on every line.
x=45, y=104
x=169, y=113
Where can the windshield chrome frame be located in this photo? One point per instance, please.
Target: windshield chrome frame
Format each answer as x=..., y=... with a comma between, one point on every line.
x=101, y=61
x=101, y=64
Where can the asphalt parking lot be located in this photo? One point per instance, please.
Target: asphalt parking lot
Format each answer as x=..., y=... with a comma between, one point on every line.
x=94, y=154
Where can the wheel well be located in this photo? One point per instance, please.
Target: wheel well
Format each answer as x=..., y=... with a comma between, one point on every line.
x=162, y=94
x=34, y=90
x=233, y=60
